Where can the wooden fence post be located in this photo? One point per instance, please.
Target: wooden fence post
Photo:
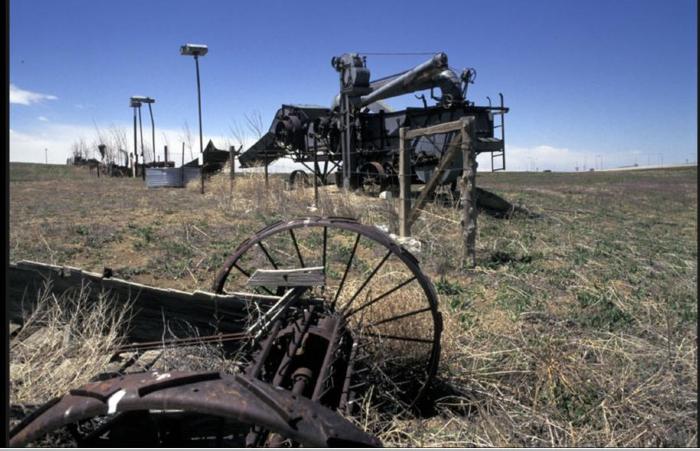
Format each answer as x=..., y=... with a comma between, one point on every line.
x=232, y=174
x=316, y=171
x=267, y=184
x=404, y=185
x=468, y=188
x=182, y=166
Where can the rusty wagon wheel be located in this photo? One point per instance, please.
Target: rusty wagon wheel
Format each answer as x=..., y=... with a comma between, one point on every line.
x=182, y=409
x=376, y=285
x=372, y=178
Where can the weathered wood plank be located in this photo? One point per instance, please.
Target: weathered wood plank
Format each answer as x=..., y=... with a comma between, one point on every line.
x=299, y=277
x=152, y=308
x=433, y=129
x=469, y=210
x=453, y=149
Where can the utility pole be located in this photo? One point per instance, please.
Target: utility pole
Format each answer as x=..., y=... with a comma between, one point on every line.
x=143, y=156
x=197, y=50
x=134, y=104
x=46, y=154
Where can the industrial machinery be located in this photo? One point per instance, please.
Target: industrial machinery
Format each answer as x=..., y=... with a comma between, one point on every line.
x=359, y=135
x=325, y=316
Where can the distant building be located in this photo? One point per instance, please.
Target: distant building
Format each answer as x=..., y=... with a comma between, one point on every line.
x=214, y=159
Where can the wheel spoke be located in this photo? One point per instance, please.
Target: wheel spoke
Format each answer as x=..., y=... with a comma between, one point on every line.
x=267, y=254
x=296, y=246
x=397, y=337
x=380, y=297
x=397, y=317
x=364, y=284
x=247, y=274
x=347, y=268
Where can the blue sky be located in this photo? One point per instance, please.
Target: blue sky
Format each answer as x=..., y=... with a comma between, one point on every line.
x=616, y=79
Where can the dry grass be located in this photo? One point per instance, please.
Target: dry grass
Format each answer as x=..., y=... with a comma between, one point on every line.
x=577, y=329
x=63, y=343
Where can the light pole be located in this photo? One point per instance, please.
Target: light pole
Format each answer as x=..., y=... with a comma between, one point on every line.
x=46, y=154
x=136, y=104
x=197, y=50
x=138, y=101
x=149, y=101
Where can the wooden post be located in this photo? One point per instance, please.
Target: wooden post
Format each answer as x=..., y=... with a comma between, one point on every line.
x=182, y=166
x=315, y=172
x=404, y=185
x=468, y=188
x=232, y=174
x=429, y=188
x=202, y=174
x=267, y=184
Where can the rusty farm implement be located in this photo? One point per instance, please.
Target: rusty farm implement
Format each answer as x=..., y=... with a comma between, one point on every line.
x=324, y=316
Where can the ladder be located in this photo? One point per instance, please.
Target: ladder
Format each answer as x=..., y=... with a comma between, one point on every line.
x=502, y=154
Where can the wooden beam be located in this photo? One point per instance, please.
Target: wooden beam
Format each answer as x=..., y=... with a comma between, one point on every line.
x=468, y=188
x=298, y=277
x=155, y=311
x=439, y=128
x=404, y=185
x=452, y=151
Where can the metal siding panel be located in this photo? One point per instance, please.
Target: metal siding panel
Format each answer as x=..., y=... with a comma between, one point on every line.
x=170, y=177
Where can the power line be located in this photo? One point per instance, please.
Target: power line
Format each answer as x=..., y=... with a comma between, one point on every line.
x=397, y=53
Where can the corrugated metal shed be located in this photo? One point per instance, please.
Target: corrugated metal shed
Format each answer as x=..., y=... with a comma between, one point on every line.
x=171, y=177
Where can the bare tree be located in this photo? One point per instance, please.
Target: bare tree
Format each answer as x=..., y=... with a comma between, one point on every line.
x=79, y=149
x=187, y=138
x=114, y=139
x=118, y=142
x=237, y=132
x=101, y=138
x=255, y=123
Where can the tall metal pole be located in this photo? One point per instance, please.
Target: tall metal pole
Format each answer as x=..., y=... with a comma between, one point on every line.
x=136, y=147
x=404, y=185
x=199, y=106
x=143, y=156
x=316, y=171
x=46, y=154
x=347, y=161
x=153, y=129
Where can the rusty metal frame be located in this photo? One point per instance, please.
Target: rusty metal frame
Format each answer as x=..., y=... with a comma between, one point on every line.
x=230, y=396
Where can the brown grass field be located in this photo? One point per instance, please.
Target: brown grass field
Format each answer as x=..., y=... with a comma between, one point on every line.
x=576, y=329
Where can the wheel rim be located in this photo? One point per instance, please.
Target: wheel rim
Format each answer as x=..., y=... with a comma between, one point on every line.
x=372, y=178
x=390, y=305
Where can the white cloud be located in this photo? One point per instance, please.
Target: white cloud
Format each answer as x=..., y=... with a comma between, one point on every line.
x=538, y=158
x=23, y=97
x=43, y=118
x=29, y=145
x=57, y=138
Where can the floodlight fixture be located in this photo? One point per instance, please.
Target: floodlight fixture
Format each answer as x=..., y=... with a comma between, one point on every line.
x=134, y=102
x=143, y=99
x=194, y=49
